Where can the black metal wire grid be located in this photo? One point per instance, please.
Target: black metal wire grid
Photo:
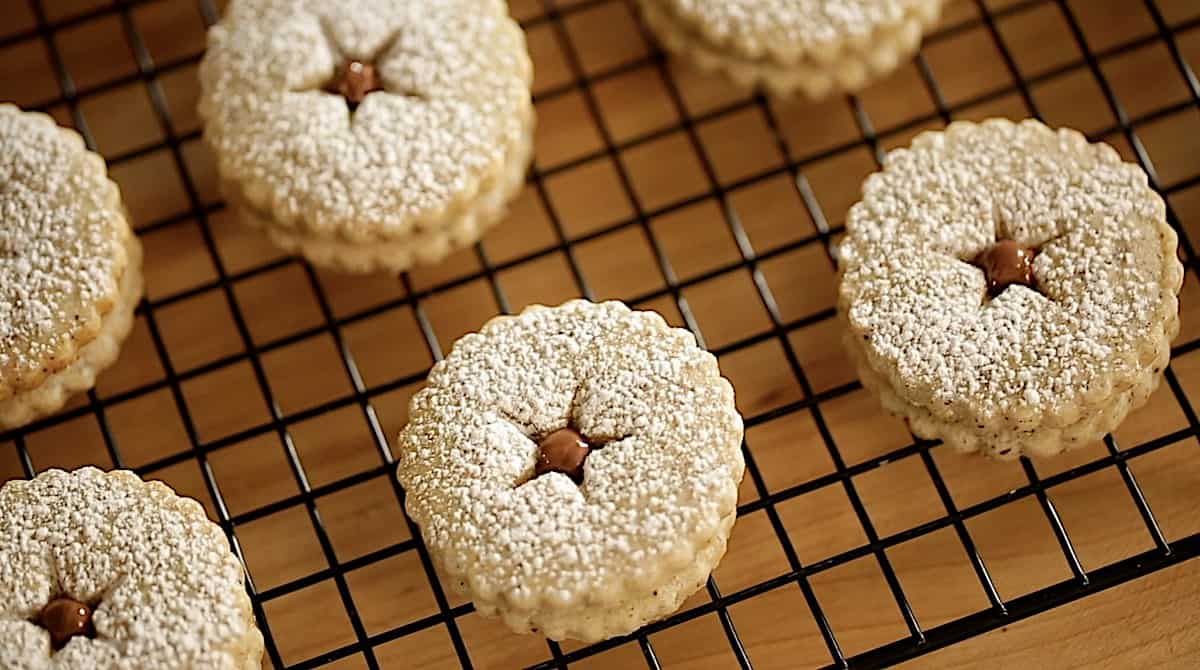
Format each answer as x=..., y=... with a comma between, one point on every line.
x=919, y=640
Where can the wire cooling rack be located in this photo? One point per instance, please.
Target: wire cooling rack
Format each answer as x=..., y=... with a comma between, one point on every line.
x=586, y=140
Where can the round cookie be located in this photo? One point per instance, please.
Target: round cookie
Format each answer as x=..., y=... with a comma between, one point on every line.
x=107, y=572
x=1009, y=288
x=369, y=135
x=575, y=469
x=816, y=47
x=70, y=267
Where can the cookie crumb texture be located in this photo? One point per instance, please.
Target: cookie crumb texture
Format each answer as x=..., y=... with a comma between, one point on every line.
x=369, y=175
x=70, y=267
x=816, y=47
x=164, y=589
x=652, y=515
x=1034, y=369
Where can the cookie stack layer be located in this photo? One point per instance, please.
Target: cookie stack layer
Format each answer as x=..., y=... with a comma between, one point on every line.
x=1009, y=288
x=369, y=136
x=575, y=470
x=70, y=267
x=149, y=580
x=813, y=46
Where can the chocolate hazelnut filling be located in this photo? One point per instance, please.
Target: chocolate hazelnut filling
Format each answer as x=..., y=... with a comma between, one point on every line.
x=563, y=451
x=355, y=80
x=1006, y=263
x=65, y=618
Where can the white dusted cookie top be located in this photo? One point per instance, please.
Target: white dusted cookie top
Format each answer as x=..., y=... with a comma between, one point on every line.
x=1105, y=277
x=165, y=591
x=788, y=30
x=661, y=477
x=62, y=247
x=455, y=100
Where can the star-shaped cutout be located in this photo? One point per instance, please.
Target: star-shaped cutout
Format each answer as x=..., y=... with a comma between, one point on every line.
x=1005, y=263
x=355, y=80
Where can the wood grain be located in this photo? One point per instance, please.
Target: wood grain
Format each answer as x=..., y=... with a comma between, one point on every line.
x=1121, y=628
x=1152, y=622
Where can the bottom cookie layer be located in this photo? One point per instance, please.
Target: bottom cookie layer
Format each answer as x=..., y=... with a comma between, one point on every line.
x=849, y=72
x=93, y=358
x=423, y=247
x=1003, y=441
x=593, y=623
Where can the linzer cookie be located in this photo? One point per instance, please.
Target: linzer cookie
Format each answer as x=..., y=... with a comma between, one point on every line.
x=575, y=469
x=70, y=267
x=107, y=572
x=813, y=46
x=369, y=135
x=1009, y=288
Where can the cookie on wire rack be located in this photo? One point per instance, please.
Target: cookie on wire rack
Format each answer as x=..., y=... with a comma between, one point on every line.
x=104, y=571
x=70, y=267
x=1009, y=288
x=369, y=135
x=816, y=47
x=575, y=469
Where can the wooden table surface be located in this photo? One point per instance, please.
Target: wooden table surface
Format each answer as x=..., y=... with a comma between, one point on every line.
x=1148, y=623
x=613, y=155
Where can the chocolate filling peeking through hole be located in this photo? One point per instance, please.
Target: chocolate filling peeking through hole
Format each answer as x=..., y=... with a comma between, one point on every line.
x=65, y=618
x=354, y=81
x=563, y=451
x=1006, y=263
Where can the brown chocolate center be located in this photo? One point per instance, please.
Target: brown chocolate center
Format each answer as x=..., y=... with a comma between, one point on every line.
x=356, y=80
x=1007, y=263
x=563, y=451
x=65, y=618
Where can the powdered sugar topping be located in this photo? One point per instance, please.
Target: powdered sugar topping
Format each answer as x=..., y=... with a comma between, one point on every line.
x=455, y=103
x=61, y=245
x=658, y=488
x=166, y=591
x=802, y=24
x=1106, y=269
